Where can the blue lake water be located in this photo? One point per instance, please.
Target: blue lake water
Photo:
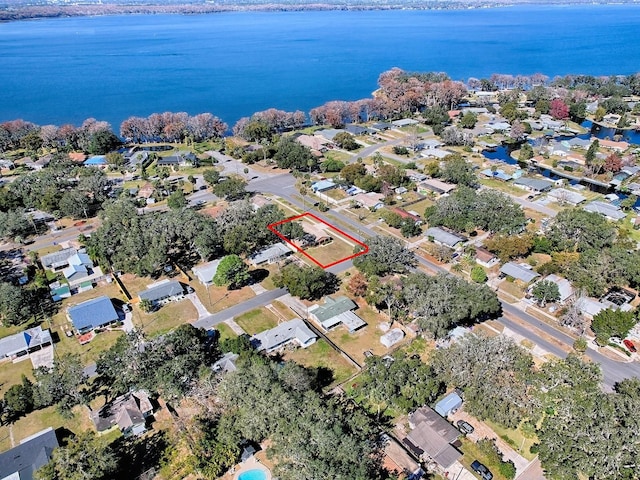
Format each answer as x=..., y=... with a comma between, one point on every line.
x=233, y=64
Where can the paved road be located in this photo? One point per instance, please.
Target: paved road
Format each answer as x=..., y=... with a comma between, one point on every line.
x=255, y=302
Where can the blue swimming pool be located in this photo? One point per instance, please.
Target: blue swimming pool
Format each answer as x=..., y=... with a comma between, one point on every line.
x=253, y=475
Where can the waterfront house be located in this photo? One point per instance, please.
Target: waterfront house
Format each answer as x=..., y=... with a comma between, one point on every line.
x=533, y=184
x=607, y=210
x=562, y=195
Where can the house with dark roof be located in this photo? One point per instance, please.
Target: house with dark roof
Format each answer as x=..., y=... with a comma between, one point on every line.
x=34, y=452
x=92, y=314
x=432, y=437
x=24, y=343
x=336, y=311
x=179, y=159
x=485, y=258
x=294, y=331
x=128, y=412
x=437, y=186
x=162, y=292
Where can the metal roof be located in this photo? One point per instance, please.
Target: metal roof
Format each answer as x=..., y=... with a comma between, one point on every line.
x=92, y=314
x=282, y=334
x=606, y=209
x=22, y=341
x=331, y=308
x=161, y=291
x=444, y=237
x=518, y=272
x=207, y=271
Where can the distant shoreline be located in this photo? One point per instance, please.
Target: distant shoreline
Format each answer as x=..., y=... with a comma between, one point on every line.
x=35, y=12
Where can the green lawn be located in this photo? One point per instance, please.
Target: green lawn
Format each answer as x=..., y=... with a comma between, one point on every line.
x=225, y=331
x=472, y=452
x=515, y=438
x=166, y=318
x=89, y=352
x=256, y=321
x=320, y=354
x=11, y=373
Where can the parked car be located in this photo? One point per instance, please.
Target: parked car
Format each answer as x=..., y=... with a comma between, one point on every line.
x=481, y=470
x=464, y=427
x=630, y=346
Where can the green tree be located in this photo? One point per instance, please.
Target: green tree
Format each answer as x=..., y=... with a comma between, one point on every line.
x=353, y=172
x=211, y=176
x=232, y=271
x=177, y=200
x=75, y=204
x=85, y=456
x=593, y=149
x=307, y=283
x=103, y=142
x=232, y=188
x=292, y=155
x=546, y=291
x=386, y=255
x=115, y=160
x=409, y=228
x=612, y=323
x=146, y=305
x=17, y=305
x=18, y=400
x=526, y=153
x=508, y=247
x=478, y=275
x=62, y=385
x=468, y=120
x=345, y=140
x=457, y=170
x=331, y=165
x=577, y=229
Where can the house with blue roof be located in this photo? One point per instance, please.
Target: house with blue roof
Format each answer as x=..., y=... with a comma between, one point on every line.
x=92, y=314
x=498, y=174
x=323, y=186
x=96, y=161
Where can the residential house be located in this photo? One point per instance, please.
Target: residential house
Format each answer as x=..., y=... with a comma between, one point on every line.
x=436, y=186
x=398, y=461
x=392, y=337
x=432, y=437
x=314, y=142
x=415, y=218
x=57, y=260
x=562, y=195
x=400, y=190
x=81, y=269
x=381, y=126
x=96, y=161
x=444, y=237
x=533, y=184
x=146, y=191
x=519, y=272
x=336, y=311
x=92, y=314
x=329, y=133
x=77, y=157
x=404, y=122
x=135, y=159
x=432, y=144
x=356, y=129
x=485, y=258
x=370, y=200
x=270, y=254
x=182, y=158
x=59, y=291
x=206, y=272
x=294, y=331
x=24, y=343
x=497, y=174
x=323, y=186
x=415, y=176
x=227, y=363
x=564, y=286
x=317, y=232
x=609, y=211
x=435, y=153
x=162, y=292
x=128, y=412
x=449, y=404
x=615, y=146
x=31, y=454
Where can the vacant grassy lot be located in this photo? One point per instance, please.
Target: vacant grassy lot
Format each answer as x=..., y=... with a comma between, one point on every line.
x=320, y=354
x=11, y=373
x=256, y=321
x=225, y=331
x=166, y=318
x=355, y=344
x=216, y=299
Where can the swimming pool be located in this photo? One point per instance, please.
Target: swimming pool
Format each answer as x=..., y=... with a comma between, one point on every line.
x=253, y=475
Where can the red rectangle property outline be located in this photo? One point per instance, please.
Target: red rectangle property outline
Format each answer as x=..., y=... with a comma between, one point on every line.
x=273, y=226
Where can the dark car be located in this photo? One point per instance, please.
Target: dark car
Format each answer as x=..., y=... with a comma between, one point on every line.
x=481, y=470
x=464, y=427
x=630, y=345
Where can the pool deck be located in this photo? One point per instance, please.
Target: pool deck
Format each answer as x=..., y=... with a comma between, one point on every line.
x=252, y=464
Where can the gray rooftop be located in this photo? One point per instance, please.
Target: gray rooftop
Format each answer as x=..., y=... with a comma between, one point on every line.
x=444, y=237
x=606, y=209
x=282, y=334
x=19, y=342
x=270, y=253
x=536, y=184
x=34, y=452
x=207, y=271
x=61, y=257
x=331, y=308
x=518, y=272
x=161, y=291
x=564, y=195
x=93, y=313
x=432, y=435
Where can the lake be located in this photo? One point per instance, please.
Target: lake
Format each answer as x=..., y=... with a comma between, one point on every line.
x=233, y=64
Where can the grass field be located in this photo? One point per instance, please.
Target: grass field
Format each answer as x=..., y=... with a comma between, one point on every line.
x=225, y=331
x=367, y=338
x=320, y=354
x=256, y=321
x=472, y=452
x=167, y=318
x=11, y=373
x=216, y=299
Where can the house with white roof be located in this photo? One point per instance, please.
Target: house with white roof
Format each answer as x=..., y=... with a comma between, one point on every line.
x=607, y=210
x=336, y=311
x=206, y=272
x=562, y=195
x=24, y=343
x=564, y=286
x=294, y=331
x=519, y=272
x=443, y=237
